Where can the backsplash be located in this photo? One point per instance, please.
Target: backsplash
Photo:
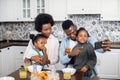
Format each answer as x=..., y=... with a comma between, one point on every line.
x=96, y=27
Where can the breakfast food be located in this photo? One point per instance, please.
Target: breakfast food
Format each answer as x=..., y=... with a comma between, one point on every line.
x=67, y=50
x=43, y=75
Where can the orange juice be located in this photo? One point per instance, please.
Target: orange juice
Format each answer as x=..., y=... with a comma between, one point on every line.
x=67, y=75
x=22, y=74
x=26, y=67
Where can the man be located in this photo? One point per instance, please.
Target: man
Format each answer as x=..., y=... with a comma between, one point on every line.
x=70, y=41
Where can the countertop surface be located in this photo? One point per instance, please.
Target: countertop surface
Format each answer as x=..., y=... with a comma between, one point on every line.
x=4, y=44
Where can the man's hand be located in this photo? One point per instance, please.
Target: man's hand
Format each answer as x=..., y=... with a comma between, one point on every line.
x=106, y=45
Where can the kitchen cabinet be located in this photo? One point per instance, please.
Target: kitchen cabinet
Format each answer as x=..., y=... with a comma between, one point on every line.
x=83, y=6
x=108, y=64
x=9, y=10
x=109, y=10
x=0, y=63
x=31, y=8
x=6, y=61
x=57, y=8
x=20, y=10
x=11, y=58
x=119, y=9
x=19, y=52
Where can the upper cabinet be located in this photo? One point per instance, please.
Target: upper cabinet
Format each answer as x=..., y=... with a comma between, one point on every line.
x=57, y=8
x=9, y=10
x=109, y=10
x=27, y=10
x=20, y=10
x=31, y=8
x=83, y=6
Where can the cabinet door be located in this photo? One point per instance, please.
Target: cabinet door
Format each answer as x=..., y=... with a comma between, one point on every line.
x=83, y=6
x=57, y=8
x=109, y=10
x=9, y=10
x=0, y=62
x=119, y=9
x=19, y=52
x=5, y=64
x=108, y=65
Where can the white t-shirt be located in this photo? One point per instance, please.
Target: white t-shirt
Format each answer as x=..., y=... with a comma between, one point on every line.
x=72, y=44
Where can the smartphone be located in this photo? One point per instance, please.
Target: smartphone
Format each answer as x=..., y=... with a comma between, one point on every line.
x=98, y=45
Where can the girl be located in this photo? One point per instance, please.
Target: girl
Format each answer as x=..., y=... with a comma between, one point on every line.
x=38, y=49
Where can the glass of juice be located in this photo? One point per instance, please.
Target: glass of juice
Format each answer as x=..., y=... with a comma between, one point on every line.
x=22, y=73
x=67, y=75
x=26, y=66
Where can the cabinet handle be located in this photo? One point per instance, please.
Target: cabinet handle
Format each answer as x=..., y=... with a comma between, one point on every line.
x=8, y=48
x=21, y=52
x=82, y=9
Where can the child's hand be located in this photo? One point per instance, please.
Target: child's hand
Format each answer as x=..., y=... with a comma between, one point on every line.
x=26, y=60
x=44, y=49
x=76, y=51
x=83, y=69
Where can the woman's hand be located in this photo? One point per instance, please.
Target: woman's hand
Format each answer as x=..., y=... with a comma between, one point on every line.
x=36, y=58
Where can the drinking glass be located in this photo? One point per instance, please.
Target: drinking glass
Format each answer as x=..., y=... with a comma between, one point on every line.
x=26, y=66
x=22, y=73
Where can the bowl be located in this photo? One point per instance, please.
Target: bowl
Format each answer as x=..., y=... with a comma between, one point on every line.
x=7, y=78
x=30, y=68
x=69, y=70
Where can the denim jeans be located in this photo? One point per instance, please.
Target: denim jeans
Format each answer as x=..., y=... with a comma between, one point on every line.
x=86, y=78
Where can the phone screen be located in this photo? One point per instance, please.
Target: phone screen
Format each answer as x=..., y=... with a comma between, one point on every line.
x=98, y=45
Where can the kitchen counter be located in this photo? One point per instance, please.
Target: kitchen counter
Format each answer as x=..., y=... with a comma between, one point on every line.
x=4, y=43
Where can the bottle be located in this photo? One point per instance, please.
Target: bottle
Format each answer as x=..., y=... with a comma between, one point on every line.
x=34, y=76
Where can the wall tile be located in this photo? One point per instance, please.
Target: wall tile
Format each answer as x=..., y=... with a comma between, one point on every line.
x=96, y=27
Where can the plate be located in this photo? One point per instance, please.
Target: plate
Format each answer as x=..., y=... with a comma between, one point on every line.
x=7, y=78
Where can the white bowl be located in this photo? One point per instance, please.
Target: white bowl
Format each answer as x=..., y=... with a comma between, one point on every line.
x=7, y=78
x=30, y=68
x=69, y=70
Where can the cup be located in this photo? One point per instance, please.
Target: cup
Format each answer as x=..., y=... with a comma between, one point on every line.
x=26, y=66
x=67, y=75
x=53, y=76
x=22, y=73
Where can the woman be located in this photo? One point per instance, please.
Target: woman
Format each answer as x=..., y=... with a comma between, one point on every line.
x=43, y=24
